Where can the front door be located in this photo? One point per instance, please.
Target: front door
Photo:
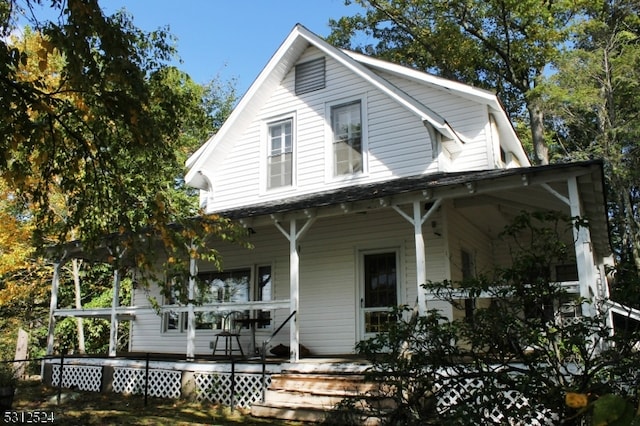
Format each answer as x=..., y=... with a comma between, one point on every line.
x=379, y=291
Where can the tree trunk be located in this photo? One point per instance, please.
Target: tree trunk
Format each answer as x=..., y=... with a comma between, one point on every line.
x=75, y=264
x=536, y=121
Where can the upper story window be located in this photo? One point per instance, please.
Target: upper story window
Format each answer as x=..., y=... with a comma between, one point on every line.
x=347, y=146
x=280, y=154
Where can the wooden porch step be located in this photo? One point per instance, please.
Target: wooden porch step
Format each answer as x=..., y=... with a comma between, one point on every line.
x=311, y=392
x=322, y=384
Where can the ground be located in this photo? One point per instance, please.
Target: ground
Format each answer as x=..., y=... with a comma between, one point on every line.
x=91, y=408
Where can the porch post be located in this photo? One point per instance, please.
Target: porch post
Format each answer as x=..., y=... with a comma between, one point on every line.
x=421, y=263
x=53, y=305
x=584, y=254
x=421, y=254
x=191, y=319
x=294, y=235
x=294, y=290
x=113, y=337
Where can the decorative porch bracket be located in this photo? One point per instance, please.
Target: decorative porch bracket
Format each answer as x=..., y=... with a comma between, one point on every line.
x=293, y=235
x=421, y=263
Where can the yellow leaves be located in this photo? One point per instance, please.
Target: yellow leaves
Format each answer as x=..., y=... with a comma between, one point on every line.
x=576, y=400
x=43, y=62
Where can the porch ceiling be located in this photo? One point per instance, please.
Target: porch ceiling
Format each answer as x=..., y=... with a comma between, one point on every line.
x=510, y=190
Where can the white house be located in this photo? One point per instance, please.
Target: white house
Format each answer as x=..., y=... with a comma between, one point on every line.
x=360, y=180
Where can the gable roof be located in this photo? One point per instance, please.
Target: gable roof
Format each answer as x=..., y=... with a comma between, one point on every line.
x=285, y=58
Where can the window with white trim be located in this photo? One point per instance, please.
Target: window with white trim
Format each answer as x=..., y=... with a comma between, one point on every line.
x=225, y=286
x=172, y=320
x=213, y=287
x=280, y=154
x=347, y=140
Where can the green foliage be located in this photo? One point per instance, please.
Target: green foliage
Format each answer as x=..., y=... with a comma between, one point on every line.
x=523, y=342
x=8, y=376
x=94, y=132
x=593, y=100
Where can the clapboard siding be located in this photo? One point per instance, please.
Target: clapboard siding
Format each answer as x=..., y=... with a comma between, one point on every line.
x=468, y=118
x=398, y=142
x=329, y=283
x=270, y=248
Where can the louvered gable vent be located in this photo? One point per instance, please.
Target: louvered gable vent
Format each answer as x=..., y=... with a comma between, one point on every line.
x=310, y=76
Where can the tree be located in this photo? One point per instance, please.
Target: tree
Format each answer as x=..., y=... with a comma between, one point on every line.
x=525, y=357
x=594, y=101
x=504, y=45
x=103, y=124
x=24, y=276
x=94, y=131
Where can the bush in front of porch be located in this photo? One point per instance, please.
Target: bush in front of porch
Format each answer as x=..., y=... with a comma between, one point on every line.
x=522, y=357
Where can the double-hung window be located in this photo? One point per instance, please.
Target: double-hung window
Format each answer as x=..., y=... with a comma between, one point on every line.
x=280, y=154
x=346, y=126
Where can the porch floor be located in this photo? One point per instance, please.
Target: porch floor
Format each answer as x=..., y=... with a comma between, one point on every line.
x=159, y=356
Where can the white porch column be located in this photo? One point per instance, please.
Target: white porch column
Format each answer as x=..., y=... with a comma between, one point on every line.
x=417, y=220
x=294, y=292
x=191, y=318
x=421, y=255
x=584, y=251
x=53, y=305
x=113, y=336
x=294, y=235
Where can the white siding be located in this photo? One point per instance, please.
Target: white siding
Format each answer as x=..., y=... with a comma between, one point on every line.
x=398, y=142
x=271, y=249
x=469, y=119
x=329, y=266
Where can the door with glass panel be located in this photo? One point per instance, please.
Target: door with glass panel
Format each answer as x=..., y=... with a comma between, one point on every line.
x=378, y=291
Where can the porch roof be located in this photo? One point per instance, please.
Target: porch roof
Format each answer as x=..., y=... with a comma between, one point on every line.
x=446, y=186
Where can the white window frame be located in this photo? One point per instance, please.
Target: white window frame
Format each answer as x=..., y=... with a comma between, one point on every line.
x=266, y=153
x=173, y=300
x=330, y=172
x=252, y=294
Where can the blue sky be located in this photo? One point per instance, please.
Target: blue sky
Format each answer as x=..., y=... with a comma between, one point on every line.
x=230, y=38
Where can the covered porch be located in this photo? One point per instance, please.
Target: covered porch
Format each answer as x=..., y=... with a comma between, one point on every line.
x=428, y=221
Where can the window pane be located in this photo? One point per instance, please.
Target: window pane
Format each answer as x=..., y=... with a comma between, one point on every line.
x=280, y=170
x=171, y=321
x=280, y=159
x=380, y=280
x=346, y=123
x=378, y=321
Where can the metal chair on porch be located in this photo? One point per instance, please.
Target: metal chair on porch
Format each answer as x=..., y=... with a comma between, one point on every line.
x=230, y=330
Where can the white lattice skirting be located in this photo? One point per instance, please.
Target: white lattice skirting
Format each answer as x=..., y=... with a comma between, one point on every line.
x=216, y=388
x=161, y=383
x=454, y=392
x=165, y=380
x=82, y=377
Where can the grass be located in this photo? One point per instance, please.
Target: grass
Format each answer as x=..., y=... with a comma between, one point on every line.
x=91, y=408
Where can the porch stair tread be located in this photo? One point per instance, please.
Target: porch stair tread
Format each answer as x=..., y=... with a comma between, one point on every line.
x=321, y=384
x=311, y=392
